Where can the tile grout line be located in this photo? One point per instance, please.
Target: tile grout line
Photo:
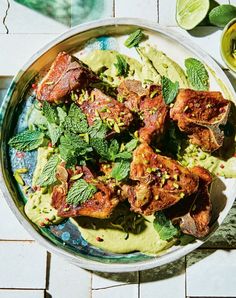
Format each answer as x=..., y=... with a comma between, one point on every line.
x=139, y=275
x=91, y=285
x=5, y=17
x=185, y=276
x=158, y=11
x=114, y=9
x=48, y=268
x=24, y=289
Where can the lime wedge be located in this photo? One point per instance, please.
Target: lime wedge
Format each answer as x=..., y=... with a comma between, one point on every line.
x=189, y=13
x=221, y=15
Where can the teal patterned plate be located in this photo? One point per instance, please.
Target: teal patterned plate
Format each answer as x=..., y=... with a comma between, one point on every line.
x=65, y=239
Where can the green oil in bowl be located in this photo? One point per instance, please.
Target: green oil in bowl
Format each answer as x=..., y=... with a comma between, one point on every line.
x=228, y=44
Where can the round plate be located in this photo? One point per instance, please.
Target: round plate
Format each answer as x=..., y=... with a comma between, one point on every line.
x=64, y=239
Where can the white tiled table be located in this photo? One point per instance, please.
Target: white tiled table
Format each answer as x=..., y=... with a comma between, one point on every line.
x=26, y=269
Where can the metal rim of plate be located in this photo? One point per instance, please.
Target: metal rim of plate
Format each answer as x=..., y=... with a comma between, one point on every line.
x=70, y=256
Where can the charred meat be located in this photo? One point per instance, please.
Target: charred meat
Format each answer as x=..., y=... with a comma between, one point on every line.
x=102, y=106
x=150, y=106
x=200, y=114
x=162, y=182
x=193, y=213
x=66, y=74
x=153, y=111
x=100, y=205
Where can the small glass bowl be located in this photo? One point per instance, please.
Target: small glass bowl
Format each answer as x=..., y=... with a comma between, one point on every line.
x=228, y=44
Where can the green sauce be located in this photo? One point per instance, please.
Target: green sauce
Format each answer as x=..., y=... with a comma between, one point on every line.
x=124, y=232
x=38, y=206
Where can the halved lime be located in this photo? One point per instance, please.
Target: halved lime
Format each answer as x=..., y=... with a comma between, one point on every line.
x=189, y=13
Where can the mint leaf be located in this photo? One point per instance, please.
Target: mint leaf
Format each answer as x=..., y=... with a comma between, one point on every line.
x=197, y=74
x=113, y=149
x=48, y=175
x=72, y=146
x=27, y=140
x=121, y=170
x=98, y=130
x=123, y=155
x=131, y=145
x=61, y=115
x=164, y=227
x=54, y=132
x=122, y=67
x=76, y=120
x=49, y=112
x=101, y=147
x=134, y=39
x=169, y=89
x=80, y=192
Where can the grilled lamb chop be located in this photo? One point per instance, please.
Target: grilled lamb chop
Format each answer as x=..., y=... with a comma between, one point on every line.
x=193, y=213
x=154, y=113
x=100, y=205
x=162, y=182
x=132, y=92
x=67, y=73
x=149, y=104
x=114, y=113
x=200, y=114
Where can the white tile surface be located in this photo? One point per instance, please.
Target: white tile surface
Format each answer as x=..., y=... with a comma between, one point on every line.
x=11, y=228
x=19, y=17
x=208, y=39
x=22, y=293
x=67, y=280
x=167, y=281
x=211, y=273
x=16, y=49
x=23, y=265
x=137, y=8
x=105, y=280
x=129, y=291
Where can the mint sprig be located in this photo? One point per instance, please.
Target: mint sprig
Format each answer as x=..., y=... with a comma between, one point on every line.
x=27, y=140
x=197, y=74
x=169, y=89
x=48, y=175
x=80, y=192
x=164, y=227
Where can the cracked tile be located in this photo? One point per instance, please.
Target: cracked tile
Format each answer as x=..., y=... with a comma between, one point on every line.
x=68, y=280
x=167, y=280
x=130, y=291
x=106, y=280
x=211, y=273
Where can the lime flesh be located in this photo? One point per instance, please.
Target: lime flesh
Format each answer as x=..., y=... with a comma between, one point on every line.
x=189, y=13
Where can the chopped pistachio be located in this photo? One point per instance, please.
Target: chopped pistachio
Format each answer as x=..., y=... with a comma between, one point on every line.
x=120, y=98
x=176, y=185
x=175, y=176
x=19, y=178
x=182, y=195
x=116, y=128
x=22, y=170
x=76, y=177
x=185, y=109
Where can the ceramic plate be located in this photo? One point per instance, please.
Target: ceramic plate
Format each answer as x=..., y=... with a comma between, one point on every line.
x=64, y=239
